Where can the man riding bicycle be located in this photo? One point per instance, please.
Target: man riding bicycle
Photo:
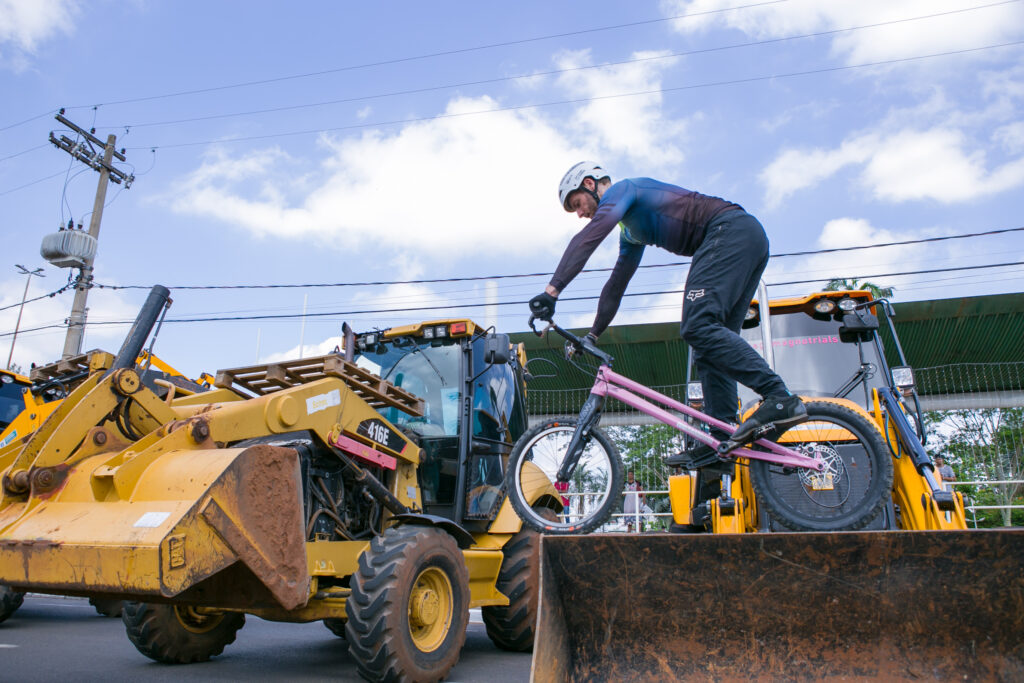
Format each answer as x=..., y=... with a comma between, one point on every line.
x=730, y=251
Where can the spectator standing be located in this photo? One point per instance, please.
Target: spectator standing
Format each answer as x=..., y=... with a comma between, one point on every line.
x=945, y=473
x=634, y=499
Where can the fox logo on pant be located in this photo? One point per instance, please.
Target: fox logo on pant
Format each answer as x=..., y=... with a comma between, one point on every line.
x=694, y=294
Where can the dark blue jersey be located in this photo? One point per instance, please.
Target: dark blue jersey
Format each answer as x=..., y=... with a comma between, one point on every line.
x=648, y=212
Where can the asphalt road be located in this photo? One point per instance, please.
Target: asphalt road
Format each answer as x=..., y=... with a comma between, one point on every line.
x=55, y=638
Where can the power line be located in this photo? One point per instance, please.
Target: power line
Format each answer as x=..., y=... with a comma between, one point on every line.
x=581, y=100
x=26, y=151
x=442, y=53
x=43, y=296
x=485, y=304
x=476, y=278
x=34, y=182
x=554, y=72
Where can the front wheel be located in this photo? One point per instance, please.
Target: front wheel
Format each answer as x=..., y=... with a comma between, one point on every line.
x=10, y=601
x=409, y=607
x=594, y=489
x=848, y=493
x=179, y=634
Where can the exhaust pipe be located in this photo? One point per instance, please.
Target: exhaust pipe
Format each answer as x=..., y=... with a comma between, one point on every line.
x=158, y=299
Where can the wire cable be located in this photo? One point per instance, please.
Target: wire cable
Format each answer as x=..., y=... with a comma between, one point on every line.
x=581, y=100
x=554, y=72
x=443, y=53
x=476, y=278
x=43, y=296
x=484, y=304
x=34, y=182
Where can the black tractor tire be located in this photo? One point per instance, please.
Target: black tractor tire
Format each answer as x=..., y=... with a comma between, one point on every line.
x=511, y=627
x=409, y=607
x=335, y=626
x=177, y=634
x=10, y=601
x=774, y=489
x=106, y=607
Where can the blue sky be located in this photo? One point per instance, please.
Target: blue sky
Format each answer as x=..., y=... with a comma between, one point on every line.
x=329, y=142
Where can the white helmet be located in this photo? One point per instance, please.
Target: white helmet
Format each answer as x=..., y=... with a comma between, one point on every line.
x=574, y=177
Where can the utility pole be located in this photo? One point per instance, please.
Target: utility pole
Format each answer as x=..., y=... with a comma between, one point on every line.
x=87, y=153
x=37, y=272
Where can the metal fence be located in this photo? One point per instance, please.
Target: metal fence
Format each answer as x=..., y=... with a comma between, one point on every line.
x=974, y=418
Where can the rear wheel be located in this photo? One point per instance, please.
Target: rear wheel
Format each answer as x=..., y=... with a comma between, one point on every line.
x=179, y=634
x=511, y=627
x=848, y=493
x=10, y=601
x=594, y=489
x=409, y=607
x=105, y=607
x=335, y=626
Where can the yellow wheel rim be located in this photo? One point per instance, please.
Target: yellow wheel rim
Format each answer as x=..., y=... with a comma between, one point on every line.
x=430, y=609
x=197, y=620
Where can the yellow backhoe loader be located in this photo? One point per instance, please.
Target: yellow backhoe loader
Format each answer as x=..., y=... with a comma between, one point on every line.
x=26, y=402
x=361, y=489
x=916, y=596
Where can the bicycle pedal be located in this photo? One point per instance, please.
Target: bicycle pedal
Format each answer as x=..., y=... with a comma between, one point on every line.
x=726, y=447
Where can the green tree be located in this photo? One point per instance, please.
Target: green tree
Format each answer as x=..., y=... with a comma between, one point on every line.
x=877, y=292
x=983, y=445
x=643, y=449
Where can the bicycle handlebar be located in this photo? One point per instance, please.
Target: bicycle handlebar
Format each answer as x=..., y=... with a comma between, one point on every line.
x=580, y=343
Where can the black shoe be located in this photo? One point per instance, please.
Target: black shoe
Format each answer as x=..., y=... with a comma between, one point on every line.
x=703, y=458
x=775, y=412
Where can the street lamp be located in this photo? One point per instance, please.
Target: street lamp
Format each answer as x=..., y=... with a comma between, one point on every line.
x=38, y=272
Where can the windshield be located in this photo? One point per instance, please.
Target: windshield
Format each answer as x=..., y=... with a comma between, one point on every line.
x=812, y=360
x=430, y=372
x=11, y=403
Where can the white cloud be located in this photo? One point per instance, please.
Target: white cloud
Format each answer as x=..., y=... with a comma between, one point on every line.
x=321, y=348
x=795, y=170
x=46, y=345
x=450, y=186
x=852, y=232
x=1010, y=137
x=632, y=127
x=960, y=30
x=939, y=164
x=24, y=24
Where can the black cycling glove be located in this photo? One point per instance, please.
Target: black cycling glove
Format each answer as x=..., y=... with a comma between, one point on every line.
x=543, y=306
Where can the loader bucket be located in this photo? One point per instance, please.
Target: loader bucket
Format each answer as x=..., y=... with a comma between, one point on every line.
x=892, y=605
x=215, y=527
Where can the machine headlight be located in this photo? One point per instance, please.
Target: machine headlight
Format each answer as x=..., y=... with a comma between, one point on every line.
x=903, y=378
x=824, y=306
x=694, y=393
x=847, y=304
x=428, y=332
x=751, y=313
x=440, y=331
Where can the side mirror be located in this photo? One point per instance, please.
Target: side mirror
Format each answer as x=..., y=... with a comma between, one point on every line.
x=496, y=349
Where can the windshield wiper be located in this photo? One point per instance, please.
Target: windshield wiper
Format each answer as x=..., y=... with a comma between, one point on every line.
x=417, y=349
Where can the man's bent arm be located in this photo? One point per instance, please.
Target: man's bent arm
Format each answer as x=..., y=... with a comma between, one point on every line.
x=611, y=294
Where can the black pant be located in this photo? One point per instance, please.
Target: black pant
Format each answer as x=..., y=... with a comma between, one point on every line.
x=723, y=279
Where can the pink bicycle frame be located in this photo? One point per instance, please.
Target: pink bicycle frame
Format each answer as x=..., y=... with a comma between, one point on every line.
x=610, y=383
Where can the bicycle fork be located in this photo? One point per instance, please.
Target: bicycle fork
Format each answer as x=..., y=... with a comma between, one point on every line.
x=590, y=415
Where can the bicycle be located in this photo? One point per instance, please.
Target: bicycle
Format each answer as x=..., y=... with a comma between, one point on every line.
x=807, y=484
